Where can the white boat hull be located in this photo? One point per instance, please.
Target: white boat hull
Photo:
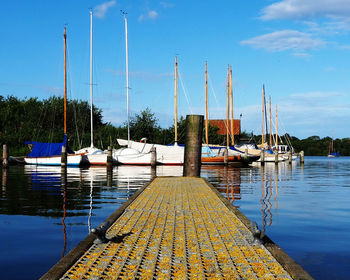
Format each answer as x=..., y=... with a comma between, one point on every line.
x=72, y=160
x=93, y=156
x=168, y=155
x=131, y=156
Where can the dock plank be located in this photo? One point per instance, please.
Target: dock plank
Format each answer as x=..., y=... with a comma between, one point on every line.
x=178, y=228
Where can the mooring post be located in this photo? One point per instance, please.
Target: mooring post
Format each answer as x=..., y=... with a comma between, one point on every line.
x=290, y=157
x=276, y=157
x=64, y=156
x=5, y=161
x=245, y=157
x=153, y=157
x=109, y=157
x=301, y=155
x=193, y=145
x=262, y=157
x=226, y=156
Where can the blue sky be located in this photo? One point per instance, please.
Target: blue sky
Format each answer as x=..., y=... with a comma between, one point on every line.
x=300, y=50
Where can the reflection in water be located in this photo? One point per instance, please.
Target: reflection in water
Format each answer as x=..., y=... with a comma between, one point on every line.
x=64, y=191
x=267, y=178
x=226, y=179
x=4, y=181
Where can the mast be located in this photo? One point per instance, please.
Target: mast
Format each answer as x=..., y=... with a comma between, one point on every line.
x=262, y=118
x=228, y=107
x=232, y=132
x=175, y=100
x=276, y=130
x=270, y=121
x=91, y=81
x=127, y=75
x=65, y=85
x=206, y=105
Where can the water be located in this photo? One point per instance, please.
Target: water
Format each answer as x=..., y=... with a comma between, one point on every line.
x=305, y=210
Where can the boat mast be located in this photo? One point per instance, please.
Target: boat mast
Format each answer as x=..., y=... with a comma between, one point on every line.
x=91, y=81
x=270, y=121
x=232, y=132
x=127, y=74
x=175, y=100
x=262, y=118
x=65, y=85
x=228, y=107
x=206, y=105
x=276, y=130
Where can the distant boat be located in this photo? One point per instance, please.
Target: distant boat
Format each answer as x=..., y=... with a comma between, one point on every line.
x=50, y=153
x=94, y=155
x=331, y=152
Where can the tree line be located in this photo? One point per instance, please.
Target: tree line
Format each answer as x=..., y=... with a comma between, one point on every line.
x=31, y=119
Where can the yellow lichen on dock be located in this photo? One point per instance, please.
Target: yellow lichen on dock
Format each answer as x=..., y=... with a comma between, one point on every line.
x=177, y=228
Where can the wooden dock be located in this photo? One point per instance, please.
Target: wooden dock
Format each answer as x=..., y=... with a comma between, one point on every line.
x=177, y=228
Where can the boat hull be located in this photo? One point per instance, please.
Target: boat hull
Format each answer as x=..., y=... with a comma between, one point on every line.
x=217, y=160
x=72, y=160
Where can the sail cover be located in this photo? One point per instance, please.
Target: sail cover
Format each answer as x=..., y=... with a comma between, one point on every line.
x=47, y=149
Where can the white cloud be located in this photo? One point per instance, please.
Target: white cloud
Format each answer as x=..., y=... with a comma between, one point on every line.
x=167, y=4
x=285, y=40
x=299, y=9
x=101, y=10
x=152, y=15
x=304, y=114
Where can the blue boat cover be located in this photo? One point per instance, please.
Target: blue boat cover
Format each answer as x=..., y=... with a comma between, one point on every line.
x=47, y=149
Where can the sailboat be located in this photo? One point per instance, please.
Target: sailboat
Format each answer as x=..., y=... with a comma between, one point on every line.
x=50, y=153
x=166, y=154
x=216, y=153
x=129, y=155
x=94, y=155
x=331, y=152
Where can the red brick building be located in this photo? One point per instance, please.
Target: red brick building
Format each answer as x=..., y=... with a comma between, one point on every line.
x=221, y=124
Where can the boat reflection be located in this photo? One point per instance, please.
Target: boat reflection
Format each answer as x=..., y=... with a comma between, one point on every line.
x=226, y=179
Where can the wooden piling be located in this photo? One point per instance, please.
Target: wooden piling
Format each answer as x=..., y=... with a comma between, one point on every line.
x=226, y=156
x=109, y=156
x=64, y=156
x=262, y=157
x=301, y=156
x=276, y=157
x=153, y=157
x=5, y=161
x=193, y=145
x=290, y=157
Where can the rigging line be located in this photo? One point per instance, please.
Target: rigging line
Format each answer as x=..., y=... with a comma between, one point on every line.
x=216, y=100
x=184, y=91
x=70, y=94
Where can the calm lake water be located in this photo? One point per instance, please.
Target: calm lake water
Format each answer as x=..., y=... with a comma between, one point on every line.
x=304, y=209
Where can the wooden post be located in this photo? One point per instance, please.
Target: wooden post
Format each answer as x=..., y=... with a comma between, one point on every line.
x=226, y=156
x=5, y=161
x=290, y=157
x=301, y=155
x=276, y=157
x=153, y=157
x=109, y=157
x=246, y=158
x=64, y=156
x=193, y=145
x=262, y=157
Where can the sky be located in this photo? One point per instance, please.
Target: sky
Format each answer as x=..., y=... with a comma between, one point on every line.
x=298, y=49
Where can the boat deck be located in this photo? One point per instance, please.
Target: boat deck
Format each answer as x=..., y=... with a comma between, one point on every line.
x=178, y=228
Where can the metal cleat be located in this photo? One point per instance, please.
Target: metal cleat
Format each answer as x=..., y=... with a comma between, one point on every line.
x=100, y=233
